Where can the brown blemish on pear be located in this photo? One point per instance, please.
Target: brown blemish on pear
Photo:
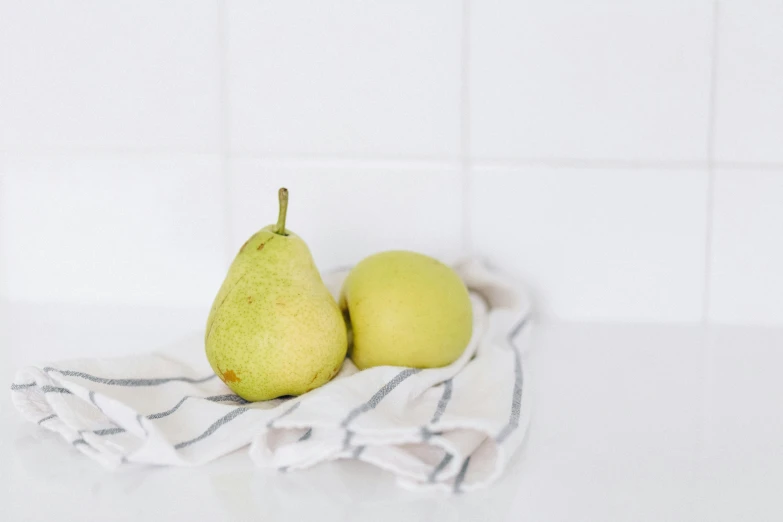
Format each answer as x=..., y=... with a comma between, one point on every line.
x=262, y=245
x=229, y=376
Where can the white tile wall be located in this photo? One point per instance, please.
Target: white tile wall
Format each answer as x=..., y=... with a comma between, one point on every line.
x=591, y=80
x=345, y=77
x=559, y=229
x=97, y=229
x=747, y=252
x=129, y=74
x=749, y=116
x=622, y=159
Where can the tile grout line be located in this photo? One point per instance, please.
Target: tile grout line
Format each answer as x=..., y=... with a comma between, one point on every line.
x=4, y=275
x=745, y=165
x=707, y=353
x=398, y=161
x=586, y=163
x=710, y=195
x=105, y=151
x=362, y=161
x=465, y=163
x=225, y=127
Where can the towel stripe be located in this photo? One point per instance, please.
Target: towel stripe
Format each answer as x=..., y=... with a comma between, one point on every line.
x=229, y=397
x=515, y=331
x=358, y=451
x=92, y=400
x=214, y=398
x=213, y=428
x=129, y=382
x=440, y=467
x=347, y=440
x=109, y=431
x=55, y=389
x=379, y=395
x=306, y=435
x=141, y=425
x=52, y=416
x=426, y=434
x=168, y=412
x=287, y=412
x=516, y=398
x=443, y=402
x=461, y=475
x=22, y=386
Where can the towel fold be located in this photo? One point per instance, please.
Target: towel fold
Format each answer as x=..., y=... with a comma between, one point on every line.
x=453, y=428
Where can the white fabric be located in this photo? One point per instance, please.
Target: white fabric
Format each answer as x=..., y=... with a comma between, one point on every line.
x=453, y=428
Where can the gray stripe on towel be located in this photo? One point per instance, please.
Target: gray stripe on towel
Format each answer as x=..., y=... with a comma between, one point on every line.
x=141, y=425
x=129, y=382
x=109, y=431
x=214, y=398
x=213, y=428
x=379, y=395
x=441, y=465
x=461, y=476
x=22, y=386
x=426, y=434
x=92, y=400
x=516, y=398
x=347, y=440
x=287, y=412
x=52, y=416
x=55, y=389
x=443, y=402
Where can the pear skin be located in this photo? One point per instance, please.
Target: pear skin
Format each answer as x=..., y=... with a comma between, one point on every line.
x=274, y=328
x=406, y=309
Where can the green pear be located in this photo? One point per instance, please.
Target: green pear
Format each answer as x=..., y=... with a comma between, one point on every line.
x=406, y=309
x=274, y=328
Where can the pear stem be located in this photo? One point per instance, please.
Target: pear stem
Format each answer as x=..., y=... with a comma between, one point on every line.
x=282, y=195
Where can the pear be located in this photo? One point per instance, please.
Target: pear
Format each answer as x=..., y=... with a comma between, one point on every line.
x=274, y=328
x=406, y=309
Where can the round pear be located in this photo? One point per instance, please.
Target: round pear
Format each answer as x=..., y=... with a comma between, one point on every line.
x=406, y=309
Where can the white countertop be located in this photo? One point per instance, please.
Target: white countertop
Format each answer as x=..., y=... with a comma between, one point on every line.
x=630, y=423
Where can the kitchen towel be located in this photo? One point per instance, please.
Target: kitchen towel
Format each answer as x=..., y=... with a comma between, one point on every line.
x=453, y=428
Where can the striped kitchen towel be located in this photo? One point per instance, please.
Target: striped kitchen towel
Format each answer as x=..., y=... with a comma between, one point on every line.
x=453, y=428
